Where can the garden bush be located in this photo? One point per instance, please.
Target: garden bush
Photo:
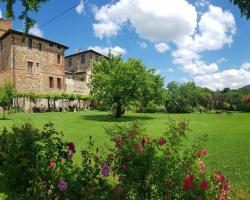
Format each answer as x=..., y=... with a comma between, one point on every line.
x=38, y=164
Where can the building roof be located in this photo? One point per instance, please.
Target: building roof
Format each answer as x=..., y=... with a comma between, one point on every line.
x=84, y=52
x=30, y=35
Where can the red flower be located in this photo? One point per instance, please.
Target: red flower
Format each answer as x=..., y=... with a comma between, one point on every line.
x=200, y=152
x=118, y=142
x=132, y=133
x=162, y=141
x=144, y=141
x=204, y=152
x=219, y=177
x=137, y=147
x=204, y=185
x=202, y=166
x=188, y=182
x=52, y=164
x=71, y=145
x=199, y=198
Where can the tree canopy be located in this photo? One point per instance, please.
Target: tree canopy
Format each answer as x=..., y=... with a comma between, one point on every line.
x=6, y=97
x=244, y=6
x=120, y=84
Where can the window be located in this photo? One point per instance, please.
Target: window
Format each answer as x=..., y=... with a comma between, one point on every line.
x=96, y=57
x=40, y=46
x=70, y=62
x=51, y=45
x=51, y=82
x=1, y=46
x=83, y=59
x=59, y=83
x=30, y=67
x=30, y=43
x=37, y=68
x=58, y=59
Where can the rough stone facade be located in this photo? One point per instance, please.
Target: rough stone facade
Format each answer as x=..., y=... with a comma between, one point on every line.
x=31, y=66
x=78, y=68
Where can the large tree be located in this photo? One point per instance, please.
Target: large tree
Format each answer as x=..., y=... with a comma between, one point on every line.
x=244, y=6
x=28, y=6
x=6, y=97
x=119, y=84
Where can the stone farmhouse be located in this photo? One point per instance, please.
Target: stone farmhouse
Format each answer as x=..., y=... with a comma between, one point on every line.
x=38, y=65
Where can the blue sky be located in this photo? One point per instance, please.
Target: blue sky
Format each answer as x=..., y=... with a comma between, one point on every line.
x=200, y=40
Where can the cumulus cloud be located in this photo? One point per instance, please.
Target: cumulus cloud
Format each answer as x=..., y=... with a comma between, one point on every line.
x=80, y=7
x=216, y=29
x=232, y=78
x=1, y=14
x=105, y=50
x=163, y=19
x=245, y=66
x=162, y=47
x=35, y=30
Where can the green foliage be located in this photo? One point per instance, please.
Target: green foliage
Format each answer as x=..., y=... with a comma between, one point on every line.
x=6, y=97
x=38, y=165
x=244, y=6
x=120, y=84
x=29, y=6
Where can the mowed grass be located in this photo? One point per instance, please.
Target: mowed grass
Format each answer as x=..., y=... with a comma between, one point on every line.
x=228, y=134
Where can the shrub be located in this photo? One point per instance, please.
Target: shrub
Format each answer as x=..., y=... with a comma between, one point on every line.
x=38, y=165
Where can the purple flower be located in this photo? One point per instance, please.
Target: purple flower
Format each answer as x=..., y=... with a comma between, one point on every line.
x=105, y=170
x=62, y=185
x=70, y=154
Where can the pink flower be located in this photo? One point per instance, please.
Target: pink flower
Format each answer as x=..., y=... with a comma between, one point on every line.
x=144, y=141
x=204, y=185
x=138, y=147
x=62, y=185
x=132, y=133
x=118, y=142
x=199, y=198
x=219, y=177
x=202, y=166
x=105, y=170
x=52, y=164
x=162, y=141
x=70, y=154
x=188, y=182
x=200, y=152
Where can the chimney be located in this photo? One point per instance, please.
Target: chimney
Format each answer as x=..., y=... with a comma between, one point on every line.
x=78, y=50
x=5, y=25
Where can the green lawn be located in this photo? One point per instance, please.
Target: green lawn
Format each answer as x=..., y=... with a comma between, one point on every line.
x=228, y=134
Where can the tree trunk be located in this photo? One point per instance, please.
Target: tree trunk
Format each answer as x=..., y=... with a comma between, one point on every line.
x=118, y=112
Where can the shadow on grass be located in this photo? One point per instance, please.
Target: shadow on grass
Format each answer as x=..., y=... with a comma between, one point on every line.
x=111, y=118
x=4, y=119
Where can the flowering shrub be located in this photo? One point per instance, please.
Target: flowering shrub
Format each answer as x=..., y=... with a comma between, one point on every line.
x=39, y=165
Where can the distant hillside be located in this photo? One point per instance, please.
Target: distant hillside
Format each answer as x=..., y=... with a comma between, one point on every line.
x=244, y=90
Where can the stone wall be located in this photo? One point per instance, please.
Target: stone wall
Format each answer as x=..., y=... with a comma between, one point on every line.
x=45, y=65
x=5, y=25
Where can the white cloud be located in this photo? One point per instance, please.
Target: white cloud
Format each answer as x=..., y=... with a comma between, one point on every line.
x=143, y=45
x=216, y=29
x=105, y=50
x=161, y=47
x=232, y=78
x=202, y=3
x=1, y=14
x=35, y=30
x=157, y=20
x=245, y=66
x=80, y=7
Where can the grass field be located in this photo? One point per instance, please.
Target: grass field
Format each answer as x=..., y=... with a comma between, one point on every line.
x=228, y=134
